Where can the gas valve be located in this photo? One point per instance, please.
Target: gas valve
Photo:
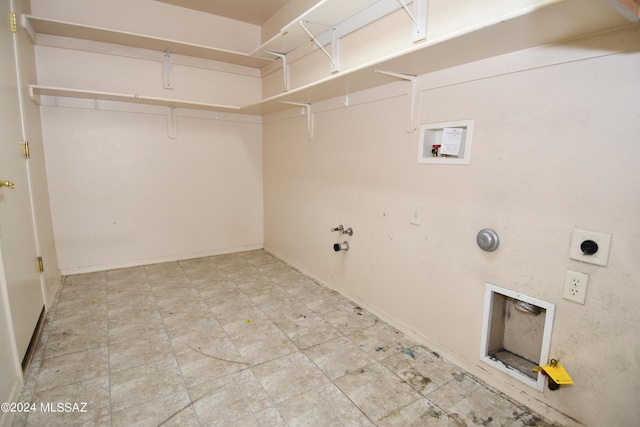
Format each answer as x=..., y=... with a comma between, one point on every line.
x=555, y=373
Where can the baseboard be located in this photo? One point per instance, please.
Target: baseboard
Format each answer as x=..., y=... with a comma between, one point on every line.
x=158, y=260
x=51, y=293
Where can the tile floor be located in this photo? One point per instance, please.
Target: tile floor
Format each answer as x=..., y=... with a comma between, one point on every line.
x=240, y=340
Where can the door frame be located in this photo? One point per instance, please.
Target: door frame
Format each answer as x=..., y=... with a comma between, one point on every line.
x=11, y=371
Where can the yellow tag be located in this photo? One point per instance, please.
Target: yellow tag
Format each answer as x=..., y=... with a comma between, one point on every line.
x=556, y=373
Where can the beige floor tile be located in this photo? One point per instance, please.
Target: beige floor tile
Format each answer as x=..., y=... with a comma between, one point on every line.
x=179, y=410
x=350, y=318
x=339, y=357
x=61, y=341
x=96, y=394
x=135, y=386
x=229, y=311
x=420, y=413
x=381, y=340
x=289, y=376
x=129, y=354
x=425, y=372
x=454, y=391
x=72, y=368
x=376, y=391
x=301, y=325
x=149, y=413
x=200, y=363
x=280, y=275
x=259, y=340
x=323, y=406
x=230, y=400
x=483, y=408
x=82, y=403
x=268, y=296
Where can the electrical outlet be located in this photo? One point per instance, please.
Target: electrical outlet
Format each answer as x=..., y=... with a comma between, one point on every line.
x=575, y=286
x=590, y=246
x=416, y=215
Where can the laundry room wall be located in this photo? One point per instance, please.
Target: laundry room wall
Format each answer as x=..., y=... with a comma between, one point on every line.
x=554, y=149
x=123, y=193
x=132, y=184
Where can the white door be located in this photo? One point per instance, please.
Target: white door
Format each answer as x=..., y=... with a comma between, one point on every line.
x=17, y=235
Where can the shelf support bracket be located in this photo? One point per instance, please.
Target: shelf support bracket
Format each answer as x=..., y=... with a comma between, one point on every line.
x=308, y=111
x=34, y=97
x=406, y=9
x=335, y=47
x=285, y=67
x=167, y=77
x=28, y=28
x=421, y=13
x=411, y=125
x=419, y=18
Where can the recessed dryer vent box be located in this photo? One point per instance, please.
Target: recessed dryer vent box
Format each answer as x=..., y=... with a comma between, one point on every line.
x=516, y=334
x=446, y=143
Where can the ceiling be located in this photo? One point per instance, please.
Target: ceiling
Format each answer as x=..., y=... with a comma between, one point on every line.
x=251, y=11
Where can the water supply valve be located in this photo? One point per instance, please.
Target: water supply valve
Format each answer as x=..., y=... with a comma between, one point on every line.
x=343, y=230
x=555, y=373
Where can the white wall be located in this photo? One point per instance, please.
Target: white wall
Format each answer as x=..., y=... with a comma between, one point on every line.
x=555, y=148
x=126, y=187
x=95, y=67
x=124, y=193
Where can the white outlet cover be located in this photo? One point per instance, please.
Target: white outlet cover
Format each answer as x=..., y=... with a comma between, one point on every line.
x=604, y=245
x=575, y=293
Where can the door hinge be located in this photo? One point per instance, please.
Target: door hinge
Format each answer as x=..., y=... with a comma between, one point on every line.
x=13, y=23
x=25, y=148
x=40, y=265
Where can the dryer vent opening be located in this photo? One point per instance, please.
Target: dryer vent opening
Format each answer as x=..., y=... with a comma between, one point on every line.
x=516, y=334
